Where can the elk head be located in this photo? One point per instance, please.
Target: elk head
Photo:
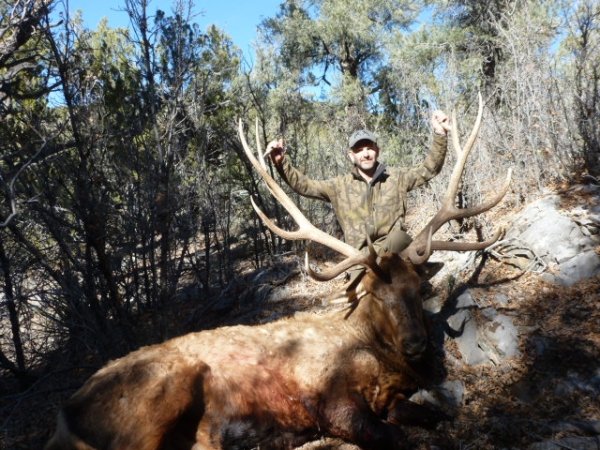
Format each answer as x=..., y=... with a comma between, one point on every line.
x=391, y=281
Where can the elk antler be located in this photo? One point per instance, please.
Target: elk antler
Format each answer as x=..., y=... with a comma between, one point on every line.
x=306, y=230
x=421, y=247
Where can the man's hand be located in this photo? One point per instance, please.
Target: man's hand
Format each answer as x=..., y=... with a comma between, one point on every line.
x=276, y=150
x=440, y=122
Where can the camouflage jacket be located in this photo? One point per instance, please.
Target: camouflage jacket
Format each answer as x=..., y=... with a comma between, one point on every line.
x=378, y=206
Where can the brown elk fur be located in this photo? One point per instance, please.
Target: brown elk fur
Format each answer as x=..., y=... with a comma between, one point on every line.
x=275, y=386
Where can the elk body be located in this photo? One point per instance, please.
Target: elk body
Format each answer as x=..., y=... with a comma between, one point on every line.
x=271, y=386
x=345, y=374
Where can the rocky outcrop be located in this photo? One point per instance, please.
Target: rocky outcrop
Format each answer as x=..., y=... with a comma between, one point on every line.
x=566, y=239
x=559, y=242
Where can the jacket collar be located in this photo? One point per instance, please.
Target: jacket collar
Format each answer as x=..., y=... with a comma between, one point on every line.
x=379, y=171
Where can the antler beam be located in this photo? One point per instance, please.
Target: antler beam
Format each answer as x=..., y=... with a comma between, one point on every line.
x=306, y=230
x=421, y=247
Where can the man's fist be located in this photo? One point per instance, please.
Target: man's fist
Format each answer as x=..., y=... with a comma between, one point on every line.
x=440, y=122
x=276, y=150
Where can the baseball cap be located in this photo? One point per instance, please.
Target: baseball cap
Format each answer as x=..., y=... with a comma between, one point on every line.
x=361, y=135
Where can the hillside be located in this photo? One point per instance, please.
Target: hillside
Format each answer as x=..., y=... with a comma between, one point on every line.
x=520, y=342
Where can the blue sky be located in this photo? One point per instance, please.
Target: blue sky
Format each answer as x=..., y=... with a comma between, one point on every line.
x=238, y=18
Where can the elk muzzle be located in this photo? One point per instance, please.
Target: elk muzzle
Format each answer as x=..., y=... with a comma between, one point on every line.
x=414, y=346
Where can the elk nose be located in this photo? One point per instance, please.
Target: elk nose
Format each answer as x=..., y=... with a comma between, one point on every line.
x=413, y=348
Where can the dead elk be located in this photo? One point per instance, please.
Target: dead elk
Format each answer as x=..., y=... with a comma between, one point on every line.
x=345, y=374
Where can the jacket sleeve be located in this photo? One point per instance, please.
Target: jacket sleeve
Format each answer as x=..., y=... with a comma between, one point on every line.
x=303, y=185
x=431, y=166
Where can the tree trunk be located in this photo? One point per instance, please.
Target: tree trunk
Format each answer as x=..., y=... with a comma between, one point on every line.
x=19, y=369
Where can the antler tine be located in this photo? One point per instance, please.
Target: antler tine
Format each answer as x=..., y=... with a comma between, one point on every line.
x=261, y=155
x=454, y=133
x=332, y=272
x=458, y=213
x=466, y=246
x=305, y=230
x=368, y=260
x=422, y=246
x=461, y=154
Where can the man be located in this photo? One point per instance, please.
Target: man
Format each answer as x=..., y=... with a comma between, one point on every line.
x=372, y=197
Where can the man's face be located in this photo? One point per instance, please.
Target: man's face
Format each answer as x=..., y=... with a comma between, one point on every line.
x=364, y=155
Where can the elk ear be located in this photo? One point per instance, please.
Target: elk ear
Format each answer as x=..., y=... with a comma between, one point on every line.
x=428, y=270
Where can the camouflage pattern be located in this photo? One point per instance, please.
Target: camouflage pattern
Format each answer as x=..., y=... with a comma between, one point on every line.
x=377, y=208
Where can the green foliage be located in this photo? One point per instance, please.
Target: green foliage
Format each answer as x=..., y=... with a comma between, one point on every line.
x=339, y=44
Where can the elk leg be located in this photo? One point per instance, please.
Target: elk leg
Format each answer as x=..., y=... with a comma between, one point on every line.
x=405, y=412
x=351, y=419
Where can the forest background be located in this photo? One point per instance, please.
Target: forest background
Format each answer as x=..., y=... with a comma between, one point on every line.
x=123, y=182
